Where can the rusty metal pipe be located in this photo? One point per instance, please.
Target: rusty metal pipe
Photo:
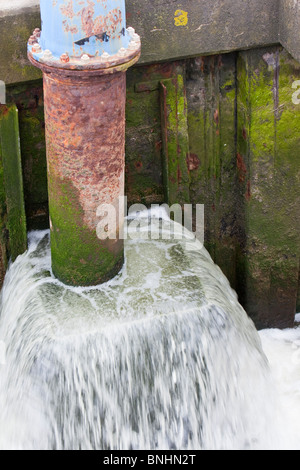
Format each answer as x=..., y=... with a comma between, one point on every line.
x=84, y=94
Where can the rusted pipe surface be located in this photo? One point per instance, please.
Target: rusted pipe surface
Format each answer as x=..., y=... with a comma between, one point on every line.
x=85, y=135
x=84, y=94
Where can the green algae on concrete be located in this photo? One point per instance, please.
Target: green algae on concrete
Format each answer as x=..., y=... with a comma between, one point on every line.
x=268, y=143
x=244, y=166
x=12, y=191
x=78, y=256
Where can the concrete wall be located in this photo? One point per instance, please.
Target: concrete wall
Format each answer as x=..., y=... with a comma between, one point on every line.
x=290, y=26
x=14, y=6
x=169, y=30
x=172, y=30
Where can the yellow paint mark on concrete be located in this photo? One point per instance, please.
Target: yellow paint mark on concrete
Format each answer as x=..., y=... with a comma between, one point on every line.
x=181, y=18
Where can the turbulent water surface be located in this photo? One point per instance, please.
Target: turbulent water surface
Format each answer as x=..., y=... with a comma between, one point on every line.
x=161, y=357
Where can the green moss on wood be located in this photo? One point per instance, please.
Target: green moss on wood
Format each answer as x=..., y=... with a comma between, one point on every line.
x=4, y=241
x=28, y=97
x=175, y=141
x=13, y=180
x=268, y=140
x=143, y=182
x=211, y=91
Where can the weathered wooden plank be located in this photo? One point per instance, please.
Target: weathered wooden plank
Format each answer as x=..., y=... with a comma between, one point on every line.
x=28, y=98
x=13, y=180
x=4, y=256
x=298, y=296
x=203, y=108
x=144, y=180
x=227, y=211
x=211, y=91
x=287, y=174
x=175, y=140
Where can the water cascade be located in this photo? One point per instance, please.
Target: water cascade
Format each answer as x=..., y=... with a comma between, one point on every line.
x=160, y=357
x=156, y=355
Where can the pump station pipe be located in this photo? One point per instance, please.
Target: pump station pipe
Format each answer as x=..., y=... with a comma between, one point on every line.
x=84, y=50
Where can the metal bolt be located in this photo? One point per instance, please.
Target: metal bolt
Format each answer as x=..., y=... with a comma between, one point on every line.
x=131, y=31
x=32, y=40
x=105, y=56
x=122, y=52
x=136, y=37
x=36, y=48
x=133, y=46
x=65, y=58
x=47, y=54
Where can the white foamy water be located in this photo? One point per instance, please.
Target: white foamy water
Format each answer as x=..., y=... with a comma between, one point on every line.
x=161, y=357
x=282, y=348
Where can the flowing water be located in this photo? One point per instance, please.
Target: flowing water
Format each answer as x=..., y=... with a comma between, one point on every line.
x=161, y=357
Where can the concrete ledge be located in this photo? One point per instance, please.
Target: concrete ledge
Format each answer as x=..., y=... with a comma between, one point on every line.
x=169, y=29
x=290, y=26
x=14, y=30
x=172, y=29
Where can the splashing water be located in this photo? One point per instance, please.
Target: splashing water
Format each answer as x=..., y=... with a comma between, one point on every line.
x=161, y=357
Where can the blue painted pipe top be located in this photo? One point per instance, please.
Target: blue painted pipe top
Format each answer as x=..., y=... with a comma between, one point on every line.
x=78, y=27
